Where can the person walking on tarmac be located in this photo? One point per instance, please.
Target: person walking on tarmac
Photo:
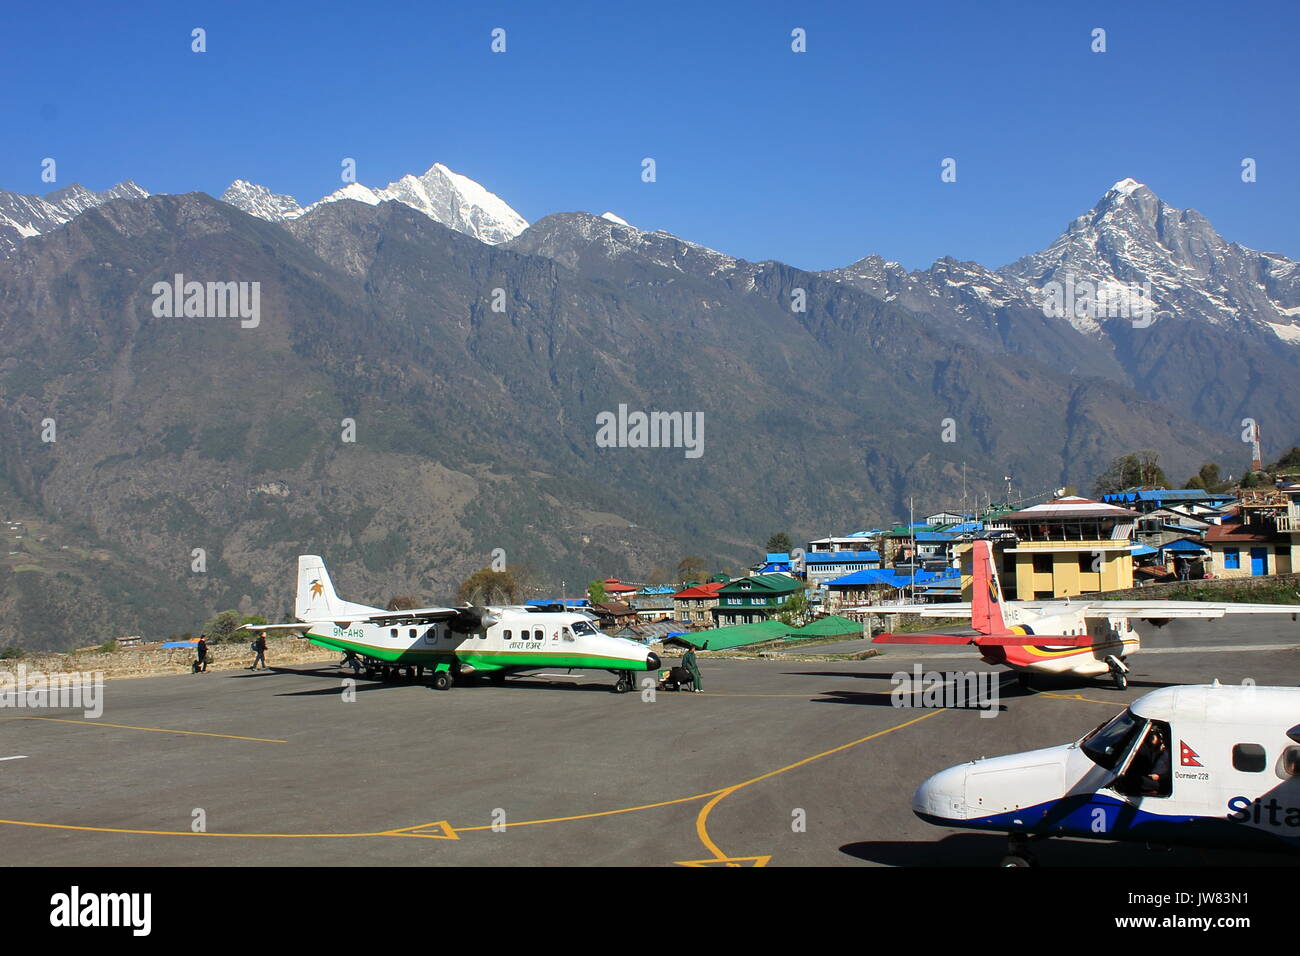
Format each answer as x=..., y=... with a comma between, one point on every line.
x=259, y=645
x=201, y=665
x=688, y=662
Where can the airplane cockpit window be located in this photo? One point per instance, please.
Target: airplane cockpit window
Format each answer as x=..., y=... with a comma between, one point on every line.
x=583, y=629
x=1108, y=743
x=1150, y=770
x=566, y=633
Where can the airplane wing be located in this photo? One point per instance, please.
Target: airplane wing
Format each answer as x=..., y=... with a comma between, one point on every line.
x=920, y=610
x=418, y=615
x=1183, y=609
x=300, y=626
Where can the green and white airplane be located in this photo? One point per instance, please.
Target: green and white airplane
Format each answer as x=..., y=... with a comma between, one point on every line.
x=452, y=642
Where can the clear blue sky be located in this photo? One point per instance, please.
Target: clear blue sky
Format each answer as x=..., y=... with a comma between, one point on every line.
x=816, y=159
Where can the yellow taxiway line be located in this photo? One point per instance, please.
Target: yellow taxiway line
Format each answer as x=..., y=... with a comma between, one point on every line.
x=155, y=730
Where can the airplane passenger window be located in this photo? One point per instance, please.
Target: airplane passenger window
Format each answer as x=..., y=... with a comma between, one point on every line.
x=1248, y=758
x=506, y=634
x=413, y=632
x=392, y=632
x=539, y=635
x=1291, y=761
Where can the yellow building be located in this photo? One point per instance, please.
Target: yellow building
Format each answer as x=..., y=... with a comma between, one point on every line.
x=1063, y=548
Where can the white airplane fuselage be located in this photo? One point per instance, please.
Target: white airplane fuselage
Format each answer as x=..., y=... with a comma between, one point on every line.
x=1233, y=776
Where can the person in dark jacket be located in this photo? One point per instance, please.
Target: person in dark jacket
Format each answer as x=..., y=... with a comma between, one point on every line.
x=259, y=645
x=202, y=650
x=688, y=661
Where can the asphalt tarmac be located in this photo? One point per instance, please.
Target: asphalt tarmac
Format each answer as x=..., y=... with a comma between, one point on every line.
x=778, y=762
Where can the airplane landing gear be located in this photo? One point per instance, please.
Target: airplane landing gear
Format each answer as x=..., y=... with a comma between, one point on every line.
x=1118, y=672
x=1018, y=853
x=442, y=680
x=624, y=683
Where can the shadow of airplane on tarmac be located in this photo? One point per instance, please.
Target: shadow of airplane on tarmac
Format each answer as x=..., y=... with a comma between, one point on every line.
x=987, y=849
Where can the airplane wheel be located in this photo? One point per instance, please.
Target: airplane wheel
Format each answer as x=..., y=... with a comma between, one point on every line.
x=1017, y=860
x=442, y=681
x=1121, y=681
x=622, y=686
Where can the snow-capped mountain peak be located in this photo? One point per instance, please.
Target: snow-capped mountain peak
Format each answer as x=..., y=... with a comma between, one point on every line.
x=619, y=220
x=23, y=216
x=1126, y=187
x=261, y=202
x=456, y=201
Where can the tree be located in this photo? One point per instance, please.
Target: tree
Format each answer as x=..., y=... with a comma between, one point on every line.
x=486, y=586
x=794, y=610
x=596, y=592
x=779, y=543
x=223, y=626
x=659, y=577
x=403, y=602
x=1288, y=463
x=691, y=570
x=1136, y=469
x=1196, y=481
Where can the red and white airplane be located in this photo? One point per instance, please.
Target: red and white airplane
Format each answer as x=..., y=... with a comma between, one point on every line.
x=1083, y=638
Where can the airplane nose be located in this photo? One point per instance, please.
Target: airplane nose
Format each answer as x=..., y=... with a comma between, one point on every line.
x=942, y=797
x=652, y=662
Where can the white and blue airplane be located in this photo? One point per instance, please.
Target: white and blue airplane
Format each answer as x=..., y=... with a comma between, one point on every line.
x=1207, y=765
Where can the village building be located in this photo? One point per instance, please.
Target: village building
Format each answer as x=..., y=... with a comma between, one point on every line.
x=616, y=590
x=753, y=599
x=1065, y=547
x=823, y=566
x=654, y=603
x=694, y=605
x=613, y=615
x=776, y=562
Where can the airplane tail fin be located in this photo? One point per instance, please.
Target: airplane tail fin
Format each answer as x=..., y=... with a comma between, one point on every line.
x=986, y=598
x=316, y=599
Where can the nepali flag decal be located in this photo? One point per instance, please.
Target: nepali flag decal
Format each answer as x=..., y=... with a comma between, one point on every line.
x=1187, y=756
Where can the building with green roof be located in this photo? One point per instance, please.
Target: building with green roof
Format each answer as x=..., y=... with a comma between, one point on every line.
x=753, y=599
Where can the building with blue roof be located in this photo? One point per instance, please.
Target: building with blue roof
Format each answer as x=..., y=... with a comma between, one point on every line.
x=823, y=566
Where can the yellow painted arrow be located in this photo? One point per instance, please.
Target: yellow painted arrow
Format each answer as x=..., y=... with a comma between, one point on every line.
x=442, y=830
x=728, y=861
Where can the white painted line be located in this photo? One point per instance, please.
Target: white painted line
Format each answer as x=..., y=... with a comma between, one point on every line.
x=1213, y=649
x=19, y=757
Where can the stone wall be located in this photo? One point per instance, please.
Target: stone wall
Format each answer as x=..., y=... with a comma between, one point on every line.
x=151, y=662
x=1157, y=591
